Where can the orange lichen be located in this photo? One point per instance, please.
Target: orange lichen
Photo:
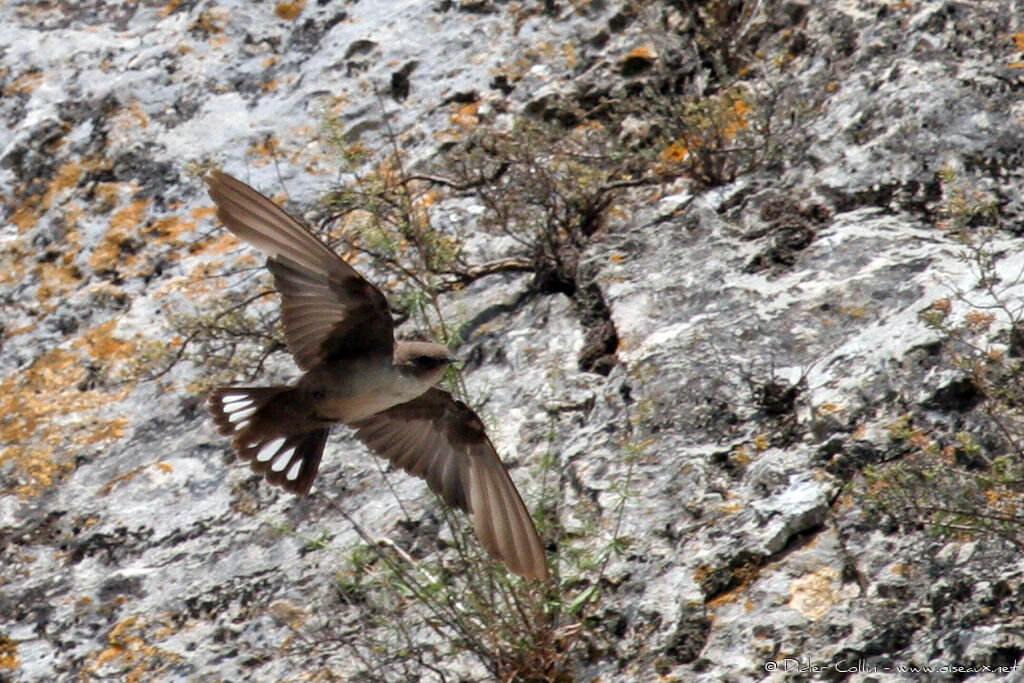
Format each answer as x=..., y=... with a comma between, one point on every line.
x=736, y=117
x=105, y=197
x=121, y=478
x=128, y=646
x=289, y=10
x=213, y=20
x=570, y=55
x=29, y=208
x=263, y=151
x=128, y=217
x=196, y=286
x=55, y=280
x=713, y=123
x=167, y=230
x=47, y=373
x=466, y=116
x=51, y=404
x=65, y=178
x=727, y=597
x=26, y=215
x=224, y=243
x=743, y=576
x=110, y=254
x=36, y=465
x=20, y=330
x=1018, y=42
x=644, y=52
x=100, y=344
x=131, y=117
x=170, y=8
x=8, y=654
x=203, y=212
x=25, y=83
x=105, y=431
x=675, y=152
x=12, y=262
x=428, y=198
x=107, y=255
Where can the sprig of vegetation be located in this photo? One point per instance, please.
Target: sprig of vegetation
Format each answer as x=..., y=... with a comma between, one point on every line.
x=415, y=616
x=969, y=483
x=233, y=340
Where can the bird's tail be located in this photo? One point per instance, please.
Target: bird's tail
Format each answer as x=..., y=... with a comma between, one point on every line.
x=265, y=437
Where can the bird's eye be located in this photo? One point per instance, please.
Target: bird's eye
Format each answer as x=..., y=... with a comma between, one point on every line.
x=426, y=362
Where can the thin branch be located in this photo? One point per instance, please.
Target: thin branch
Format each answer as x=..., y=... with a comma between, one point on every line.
x=466, y=186
x=511, y=264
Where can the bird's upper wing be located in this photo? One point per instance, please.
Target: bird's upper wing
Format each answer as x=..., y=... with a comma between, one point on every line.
x=329, y=311
x=441, y=440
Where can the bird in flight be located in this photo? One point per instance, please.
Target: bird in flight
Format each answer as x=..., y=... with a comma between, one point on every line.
x=339, y=329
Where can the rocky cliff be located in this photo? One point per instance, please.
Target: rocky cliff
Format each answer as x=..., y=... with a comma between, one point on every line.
x=752, y=349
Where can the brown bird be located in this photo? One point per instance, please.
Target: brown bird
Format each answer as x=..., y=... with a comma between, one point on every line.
x=339, y=329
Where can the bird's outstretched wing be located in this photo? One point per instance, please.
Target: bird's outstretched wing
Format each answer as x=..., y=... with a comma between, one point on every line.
x=441, y=440
x=329, y=311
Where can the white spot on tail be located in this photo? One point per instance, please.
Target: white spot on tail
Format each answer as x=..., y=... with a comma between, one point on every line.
x=293, y=471
x=269, y=448
x=282, y=460
x=240, y=415
x=236, y=401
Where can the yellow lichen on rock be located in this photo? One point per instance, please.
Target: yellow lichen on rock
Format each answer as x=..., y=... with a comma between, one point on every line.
x=13, y=257
x=114, y=253
x=289, y=10
x=56, y=280
x=49, y=411
x=8, y=654
x=129, y=647
x=814, y=594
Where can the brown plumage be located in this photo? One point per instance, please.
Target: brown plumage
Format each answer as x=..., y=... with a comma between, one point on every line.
x=339, y=329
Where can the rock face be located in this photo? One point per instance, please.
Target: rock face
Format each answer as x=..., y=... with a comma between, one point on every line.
x=809, y=319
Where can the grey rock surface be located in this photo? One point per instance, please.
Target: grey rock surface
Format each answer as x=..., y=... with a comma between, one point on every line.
x=770, y=334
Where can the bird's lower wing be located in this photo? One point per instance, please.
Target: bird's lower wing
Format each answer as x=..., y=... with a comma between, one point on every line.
x=441, y=440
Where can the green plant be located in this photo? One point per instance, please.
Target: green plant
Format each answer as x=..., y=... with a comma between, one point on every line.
x=231, y=339
x=951, y=487
x=403, y=618
x=549, y=188
x=968, y=483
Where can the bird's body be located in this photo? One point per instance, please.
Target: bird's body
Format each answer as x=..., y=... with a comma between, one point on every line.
x=339, y=329
x=350, y=389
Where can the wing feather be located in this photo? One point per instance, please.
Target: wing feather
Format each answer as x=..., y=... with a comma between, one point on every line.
x=329, y=311
x=441, y=440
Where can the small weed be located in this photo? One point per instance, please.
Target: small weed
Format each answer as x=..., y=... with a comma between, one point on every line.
x=969, y=483
x=413, y=617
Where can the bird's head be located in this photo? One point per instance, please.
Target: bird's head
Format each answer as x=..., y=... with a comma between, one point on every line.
x=422, y=361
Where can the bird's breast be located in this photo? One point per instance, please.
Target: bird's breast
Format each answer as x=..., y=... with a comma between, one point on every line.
x=350, y=391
